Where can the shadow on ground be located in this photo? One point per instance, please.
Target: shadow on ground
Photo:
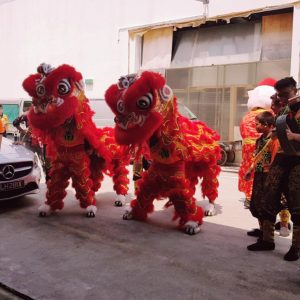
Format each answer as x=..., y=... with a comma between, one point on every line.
x=68, y=256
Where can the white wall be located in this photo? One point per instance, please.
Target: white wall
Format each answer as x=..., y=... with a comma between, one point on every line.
x=78, y=32
x=85, y=33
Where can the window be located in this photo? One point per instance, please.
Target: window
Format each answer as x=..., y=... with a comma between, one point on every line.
x=217, y=95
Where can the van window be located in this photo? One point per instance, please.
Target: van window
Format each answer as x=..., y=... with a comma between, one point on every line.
x=26, y=105
x=12, y=111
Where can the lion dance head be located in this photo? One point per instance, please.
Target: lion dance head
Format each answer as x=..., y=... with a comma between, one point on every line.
x=57, y=95
x=137, y=101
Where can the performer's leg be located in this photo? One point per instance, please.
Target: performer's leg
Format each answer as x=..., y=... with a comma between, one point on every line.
x=97, y=164
x=137, y=168
x=209, y=184
x=121, y=181
x=209, y=188
x=149, y=187
x=181, y=191
x=56, y=188
x=191, y=215
x=294, y=252
x=273, y=188
x=294, y=206
x=256, y=202
x=81, y=181
x=265, y=243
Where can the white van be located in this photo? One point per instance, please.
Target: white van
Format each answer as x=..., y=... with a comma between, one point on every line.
x=14, y=108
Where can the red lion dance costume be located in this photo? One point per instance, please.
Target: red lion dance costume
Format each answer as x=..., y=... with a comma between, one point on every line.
x=62, y=119
x=259, y=101
x=181, y=151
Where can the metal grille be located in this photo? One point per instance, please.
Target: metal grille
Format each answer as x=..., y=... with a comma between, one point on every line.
x=21, y=169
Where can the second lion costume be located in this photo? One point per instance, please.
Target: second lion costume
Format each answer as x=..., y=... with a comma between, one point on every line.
x=181, y=151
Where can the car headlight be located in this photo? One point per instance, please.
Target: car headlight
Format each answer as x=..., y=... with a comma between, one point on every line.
x=35, y=161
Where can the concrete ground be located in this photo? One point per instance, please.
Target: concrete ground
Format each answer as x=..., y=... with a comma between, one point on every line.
x=68, y=256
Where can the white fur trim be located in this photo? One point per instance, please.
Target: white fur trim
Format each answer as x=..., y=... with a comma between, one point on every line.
x=194, y=225
x=44, y=208
x=91, y=208
x=209, y=209
x=121, y=198
x=260, y=97
x=128, y=214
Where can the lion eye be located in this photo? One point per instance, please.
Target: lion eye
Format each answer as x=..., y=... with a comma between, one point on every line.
x=64, y=87
x=120, y=106
x=40, y=90
x=145, y=101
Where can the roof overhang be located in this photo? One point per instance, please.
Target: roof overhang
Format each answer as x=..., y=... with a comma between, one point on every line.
x=202, y=19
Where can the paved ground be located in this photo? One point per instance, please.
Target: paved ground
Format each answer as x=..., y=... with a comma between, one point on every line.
x=67, y=256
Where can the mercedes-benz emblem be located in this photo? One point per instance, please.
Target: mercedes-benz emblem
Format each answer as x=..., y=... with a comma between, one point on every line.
x=8, y=172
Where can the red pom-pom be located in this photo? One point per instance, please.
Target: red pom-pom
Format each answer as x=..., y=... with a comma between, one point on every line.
x=267, y=81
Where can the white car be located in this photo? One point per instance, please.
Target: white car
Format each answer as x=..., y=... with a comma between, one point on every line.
x=105, y=117
x=19, y=171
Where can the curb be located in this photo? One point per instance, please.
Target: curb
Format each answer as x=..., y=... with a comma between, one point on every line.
x=230, y=169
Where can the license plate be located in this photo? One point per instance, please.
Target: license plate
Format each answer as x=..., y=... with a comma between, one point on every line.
x=8, y=186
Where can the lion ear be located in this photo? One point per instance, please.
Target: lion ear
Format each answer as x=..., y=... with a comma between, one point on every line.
x=29, y=84
x=165, y=93
x=112, y=96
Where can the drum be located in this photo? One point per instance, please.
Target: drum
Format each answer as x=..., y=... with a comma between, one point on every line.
x=283, y=123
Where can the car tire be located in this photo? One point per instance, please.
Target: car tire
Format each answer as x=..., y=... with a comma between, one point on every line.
x=231, y=156
x=223, y=159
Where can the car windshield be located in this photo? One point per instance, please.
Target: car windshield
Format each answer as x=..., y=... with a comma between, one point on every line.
x=183, y=110
x=103, y=115
x=26, y=105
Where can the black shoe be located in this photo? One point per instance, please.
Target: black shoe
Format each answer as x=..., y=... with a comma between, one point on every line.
x=293, y=254
x=247, y=203
x=255, y=232
x=261, y=245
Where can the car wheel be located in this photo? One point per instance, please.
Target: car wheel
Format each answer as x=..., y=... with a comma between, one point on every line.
x=223, y=159
x=231, y=156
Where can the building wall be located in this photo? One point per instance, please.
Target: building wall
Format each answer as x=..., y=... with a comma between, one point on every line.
x=212, y=68
x=86, y=34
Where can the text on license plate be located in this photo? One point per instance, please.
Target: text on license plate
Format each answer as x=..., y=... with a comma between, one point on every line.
x=7, y=186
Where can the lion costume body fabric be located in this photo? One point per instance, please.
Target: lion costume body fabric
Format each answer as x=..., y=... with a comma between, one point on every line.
x=61, y=118
x=181, y=151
